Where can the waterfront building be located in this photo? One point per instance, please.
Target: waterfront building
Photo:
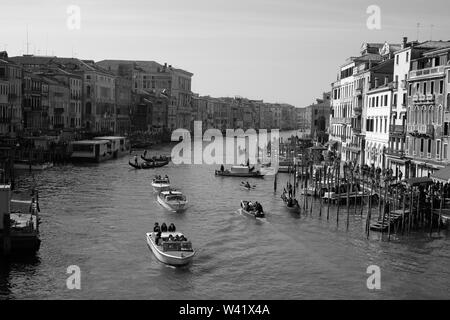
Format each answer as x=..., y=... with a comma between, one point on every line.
x=34, y=102
x=10, y=96
x=199, y=110
x=403, y=58
x=428, y=112
x=58, y=104
x=303, y=118
x=319, y=117
x=355, y=77
x=150, y=75
x=378, y=111
x=275, y=109
x=123, y=105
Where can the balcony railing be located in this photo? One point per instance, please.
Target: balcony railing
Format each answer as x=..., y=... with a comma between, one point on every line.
x=395, y=152
x=421, y=129
x=426, y=72
x=397, y=128
x=341, y=120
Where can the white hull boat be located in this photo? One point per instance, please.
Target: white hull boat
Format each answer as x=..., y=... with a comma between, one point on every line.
x=174, y=253
x=160, y=184
x=172, y=200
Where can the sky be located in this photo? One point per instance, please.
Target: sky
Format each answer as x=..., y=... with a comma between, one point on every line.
x=286, y=51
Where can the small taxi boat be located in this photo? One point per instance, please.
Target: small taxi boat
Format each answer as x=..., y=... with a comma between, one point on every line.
x=249, y=209
x=172, y=200
x=171, y=248
x=160, y=184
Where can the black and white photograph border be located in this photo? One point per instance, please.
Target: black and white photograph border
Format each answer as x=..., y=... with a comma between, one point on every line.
x=231, y=151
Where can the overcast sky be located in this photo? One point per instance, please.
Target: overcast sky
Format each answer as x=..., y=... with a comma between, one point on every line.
x=277, y=50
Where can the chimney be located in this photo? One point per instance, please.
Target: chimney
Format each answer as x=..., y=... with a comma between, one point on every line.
x=376, y=82
x=405, y=41
x=386, y=80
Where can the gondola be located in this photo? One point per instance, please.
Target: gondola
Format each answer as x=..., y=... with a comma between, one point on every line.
x=291, y=203
x=149, y=165
x=158, y=159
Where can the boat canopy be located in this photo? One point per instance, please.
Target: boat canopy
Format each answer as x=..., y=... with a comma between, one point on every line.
x=166, y=193
x=177, y=246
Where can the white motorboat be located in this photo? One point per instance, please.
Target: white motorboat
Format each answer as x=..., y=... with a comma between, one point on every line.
x=170, y=251
x=172, y=200
x=160, y=184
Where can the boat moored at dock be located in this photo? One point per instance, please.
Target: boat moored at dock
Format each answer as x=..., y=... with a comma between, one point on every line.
x=19, y=224
x=91, y=150
x=240, y=171
x=118, y=146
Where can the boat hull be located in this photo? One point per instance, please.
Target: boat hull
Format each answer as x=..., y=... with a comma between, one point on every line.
x=37, y=167
x=166, y=258
x=172, y=206
x=158, y=187
x=241, y=175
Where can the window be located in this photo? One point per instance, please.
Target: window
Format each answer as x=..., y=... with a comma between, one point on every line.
x=376, y=104
x=396, y=59
x=424, y=88
x=429, y=145
x=432, y=87
x=421, y=145
x=441, y=87
x=385, y=100
x=407, y=56
x=438, y=148
x=395, y=99
x=444, y=154
x=410, y=90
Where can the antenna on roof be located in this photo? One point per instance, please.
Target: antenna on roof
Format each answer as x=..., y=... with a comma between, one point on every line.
x=418, y=29
x=28, y=44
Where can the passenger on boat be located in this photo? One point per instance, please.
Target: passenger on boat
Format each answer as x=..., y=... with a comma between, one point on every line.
x=156, y=228
x=145, y=153
x=290, y=190
x=170, y=237
x=177, y=238
x=135, y=160
x=258, y=207
x=158, y=238
x=164, y=227
x=247, y=185
x=172, y=228
x=222, y=168
x=183, y=238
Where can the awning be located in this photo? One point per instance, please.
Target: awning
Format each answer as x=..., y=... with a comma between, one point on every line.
x=331, y=143
x=419, y=181
x=442, y=175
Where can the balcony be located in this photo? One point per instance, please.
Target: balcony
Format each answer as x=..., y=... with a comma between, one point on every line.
x=430, y=97
x=396, y=129
x=421, y=130
x=346, y=121
x=423, y=73
x=359, y=92
x=395, y=152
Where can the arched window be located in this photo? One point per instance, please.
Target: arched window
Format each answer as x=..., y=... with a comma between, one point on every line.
x=417, y=115
x=430, y=115
x=439, y=120
x=424, y=115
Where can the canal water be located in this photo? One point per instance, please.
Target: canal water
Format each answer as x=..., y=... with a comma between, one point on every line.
x=96, y=217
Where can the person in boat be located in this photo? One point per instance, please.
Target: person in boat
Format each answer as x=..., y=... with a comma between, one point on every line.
x=164, y=227
x=222, y=168
x=290, y=190
x=259, y=207
x=172, y=228
x=170, y=237
x=166, y=177
x=135, y=160
x=158, y=238
x=145, y=153
x=247, y=185
x=248, y=163
x=156, y=228
x=177, y=238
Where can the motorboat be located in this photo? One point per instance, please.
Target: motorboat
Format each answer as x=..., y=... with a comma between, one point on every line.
x=159, y=158
x=172, y=200
x=169, y=249
x=160, y=184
